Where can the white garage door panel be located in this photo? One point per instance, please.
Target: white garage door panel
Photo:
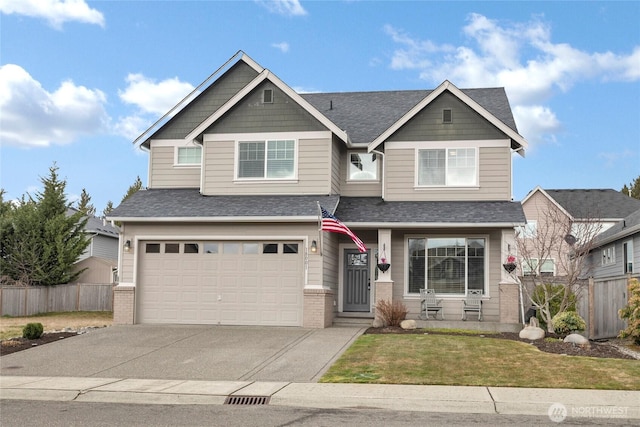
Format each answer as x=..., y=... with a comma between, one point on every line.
x=220, y=288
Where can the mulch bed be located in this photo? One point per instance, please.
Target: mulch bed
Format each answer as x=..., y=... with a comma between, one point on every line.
x=18, y=344
x=595, y=349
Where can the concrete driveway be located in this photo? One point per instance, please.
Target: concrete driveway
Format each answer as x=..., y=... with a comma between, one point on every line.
x=200, y=352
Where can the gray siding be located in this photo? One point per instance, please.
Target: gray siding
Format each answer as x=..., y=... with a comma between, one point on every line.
x=314, y=160
x=466, y=123
x=615, y=269
x=251, y=115
x=207, y=102
x=164, y=174
x=494, y=177
x=105, y=247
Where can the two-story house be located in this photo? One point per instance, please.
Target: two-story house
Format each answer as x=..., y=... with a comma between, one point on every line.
x=228, y=230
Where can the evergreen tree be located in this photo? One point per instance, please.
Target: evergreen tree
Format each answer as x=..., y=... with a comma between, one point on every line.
x=84, y=204
x=633, y=190
x=133, y=188
x=107, y=210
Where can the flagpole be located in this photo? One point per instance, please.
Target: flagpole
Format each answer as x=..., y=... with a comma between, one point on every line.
x=319, y=228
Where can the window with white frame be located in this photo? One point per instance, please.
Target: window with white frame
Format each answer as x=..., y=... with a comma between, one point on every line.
x=189, y=155
x=627, y=255
x=533, y=267
x=271, y=159
x=448, y=167
x=450, y=265
x=609, y=255
x=529, y=230
x=363, y=167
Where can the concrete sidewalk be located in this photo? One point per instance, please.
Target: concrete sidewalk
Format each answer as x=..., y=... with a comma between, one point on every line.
x=559, y=403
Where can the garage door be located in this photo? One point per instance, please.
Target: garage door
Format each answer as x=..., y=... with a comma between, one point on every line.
x=220, y=282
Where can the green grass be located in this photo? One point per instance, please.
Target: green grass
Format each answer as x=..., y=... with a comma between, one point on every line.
x=474, y=361
x=11, y=327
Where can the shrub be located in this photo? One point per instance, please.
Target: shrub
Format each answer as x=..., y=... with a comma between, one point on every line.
x=568, y=321
x=391, y=313
x=32, y=331
x=554, y=302
x=631, y=312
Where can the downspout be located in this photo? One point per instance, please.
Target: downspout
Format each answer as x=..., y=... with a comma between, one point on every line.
x=383, y=170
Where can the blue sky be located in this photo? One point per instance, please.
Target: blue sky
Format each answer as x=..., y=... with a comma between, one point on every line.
x=80, y=80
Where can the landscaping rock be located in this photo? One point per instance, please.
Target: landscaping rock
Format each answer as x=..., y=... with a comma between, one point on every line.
x=532, y=333
x=377, y=323
x=408, y=324
x=576, y=339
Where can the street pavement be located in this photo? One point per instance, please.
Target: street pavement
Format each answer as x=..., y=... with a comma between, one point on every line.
x=248, y=365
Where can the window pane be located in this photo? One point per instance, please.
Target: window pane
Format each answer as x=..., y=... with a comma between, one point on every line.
x=189, y=155
x=280, y=158
x=416, y=265
x=152, y=248
x=546, y=268
x=475, y=259
x=461, y=166
x=270, y=248
x=231, y=248
x=290, y=248
x=210, y=248
x=363, y=166
x=172, y=248
x=446, y=266
x=431, y=167
x=251, y=160
x=249, y=248
x=191, y=248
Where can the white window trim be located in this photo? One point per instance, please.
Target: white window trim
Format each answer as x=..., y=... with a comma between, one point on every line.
x=417, y=184
x=456, y=297
x=361, y=181
x=296, y=149
x=186, y=165
x=608, y=256
x=629, y=258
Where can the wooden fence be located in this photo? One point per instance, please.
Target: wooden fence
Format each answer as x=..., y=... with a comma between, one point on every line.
x=599, y=306
x=26, y=301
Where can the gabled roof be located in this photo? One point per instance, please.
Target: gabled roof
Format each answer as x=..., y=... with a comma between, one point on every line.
x=601, y=204
x=97, y=225
x=628, y=226
x=518, y=142
x=355, y=117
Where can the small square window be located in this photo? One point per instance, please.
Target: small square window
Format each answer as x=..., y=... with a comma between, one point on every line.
x=267, y=96
x=250, y=248
x=189, y=155
x=191, y=248
x=210, y=248
x=290, y=248
x=230, y=248
x=270, y=248
x=172, y=248
x=152, y=248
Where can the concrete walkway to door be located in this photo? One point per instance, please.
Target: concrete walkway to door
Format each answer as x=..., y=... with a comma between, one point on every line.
x=199, y=352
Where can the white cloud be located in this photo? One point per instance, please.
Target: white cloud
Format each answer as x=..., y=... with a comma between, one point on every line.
x=522, y=58
x=612, y=158
x=32, y=116
x=55, y=12
x=283, y=47
x=283, y=7
x=153, y=99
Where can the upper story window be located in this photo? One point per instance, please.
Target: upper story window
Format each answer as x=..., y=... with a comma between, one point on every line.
x=529, y=230
x=272, y=159
x=447, y=117
x=609, y=255
x=627, y=255
x=363, y=167
x=189, y=156
x=453, y=167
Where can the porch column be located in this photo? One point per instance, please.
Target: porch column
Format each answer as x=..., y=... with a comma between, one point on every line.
x=384, y=284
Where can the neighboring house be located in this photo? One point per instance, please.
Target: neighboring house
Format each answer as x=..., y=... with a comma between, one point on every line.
x=228, y=230
x=100, y=260
x=574, y=212
x=615, y=259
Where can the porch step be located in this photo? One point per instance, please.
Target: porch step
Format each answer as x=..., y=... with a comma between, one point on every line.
x=352, y=321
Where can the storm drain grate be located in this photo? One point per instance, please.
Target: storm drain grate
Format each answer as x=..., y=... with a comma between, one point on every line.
x=246, y=400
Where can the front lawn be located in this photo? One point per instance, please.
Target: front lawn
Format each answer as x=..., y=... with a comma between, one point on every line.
x=474, y=361
x=11, y=327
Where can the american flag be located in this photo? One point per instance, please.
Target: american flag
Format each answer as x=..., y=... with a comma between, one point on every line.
x=333, y=225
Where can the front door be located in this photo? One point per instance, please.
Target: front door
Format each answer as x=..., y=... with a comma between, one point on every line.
x=357, y=285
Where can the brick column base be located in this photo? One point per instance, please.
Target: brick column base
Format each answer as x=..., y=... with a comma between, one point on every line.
x=509, y=303
x=318, y=308
x=384, y=291
x=124, y=305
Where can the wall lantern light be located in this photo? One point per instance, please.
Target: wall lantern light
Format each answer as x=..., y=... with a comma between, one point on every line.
x=127, y=246
x=314, y=246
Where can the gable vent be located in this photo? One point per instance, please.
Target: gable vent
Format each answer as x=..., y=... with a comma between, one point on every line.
x=246, y=400
x=267, y=96
x=447, y=116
